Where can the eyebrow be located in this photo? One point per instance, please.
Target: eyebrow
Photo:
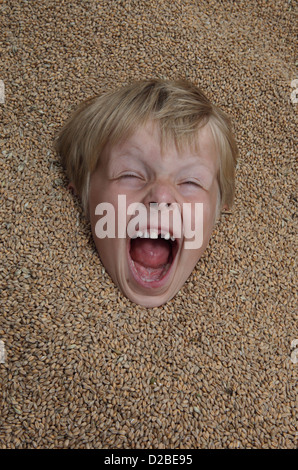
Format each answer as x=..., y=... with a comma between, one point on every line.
x=129, y=151
x=197, y=166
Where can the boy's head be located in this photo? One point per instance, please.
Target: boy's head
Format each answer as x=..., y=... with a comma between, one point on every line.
x=162, y=145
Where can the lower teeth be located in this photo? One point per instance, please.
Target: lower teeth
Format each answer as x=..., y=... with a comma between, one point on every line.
x=151, y=274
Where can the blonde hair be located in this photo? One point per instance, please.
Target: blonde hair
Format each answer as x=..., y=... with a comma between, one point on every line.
x=180, y=109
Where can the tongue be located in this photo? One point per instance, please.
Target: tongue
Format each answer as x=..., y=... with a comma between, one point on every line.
x=150, y=253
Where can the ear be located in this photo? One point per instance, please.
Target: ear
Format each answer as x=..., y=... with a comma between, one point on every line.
x=226, y=210
x=72, y=188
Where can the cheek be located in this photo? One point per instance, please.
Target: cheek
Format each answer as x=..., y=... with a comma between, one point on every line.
x=109, y=253
x=203, y=212
x=211, y=206
x=209, y=213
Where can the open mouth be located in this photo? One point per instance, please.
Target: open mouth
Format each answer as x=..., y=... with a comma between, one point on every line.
x=151, y=257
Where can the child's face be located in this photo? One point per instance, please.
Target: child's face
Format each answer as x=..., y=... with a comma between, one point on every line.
x=150, y=271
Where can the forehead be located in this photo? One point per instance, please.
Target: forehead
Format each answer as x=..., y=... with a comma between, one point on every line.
x=149, y=145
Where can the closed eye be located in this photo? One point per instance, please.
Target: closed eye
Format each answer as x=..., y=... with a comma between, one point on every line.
x=192, y=183
x=130, y=175
x=130, y=179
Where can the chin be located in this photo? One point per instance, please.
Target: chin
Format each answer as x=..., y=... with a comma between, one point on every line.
x=148, y=300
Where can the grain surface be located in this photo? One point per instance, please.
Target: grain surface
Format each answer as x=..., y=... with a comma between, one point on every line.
x=83, y=367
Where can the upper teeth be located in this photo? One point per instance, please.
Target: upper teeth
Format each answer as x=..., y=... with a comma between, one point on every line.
x=153, y=235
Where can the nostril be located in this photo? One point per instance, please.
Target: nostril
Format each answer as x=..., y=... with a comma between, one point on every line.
x=156, y=205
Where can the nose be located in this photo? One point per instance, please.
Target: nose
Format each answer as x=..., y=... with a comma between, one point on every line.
x=160, y=192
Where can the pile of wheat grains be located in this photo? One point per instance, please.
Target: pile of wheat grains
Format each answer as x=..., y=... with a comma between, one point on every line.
x=80, y=365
